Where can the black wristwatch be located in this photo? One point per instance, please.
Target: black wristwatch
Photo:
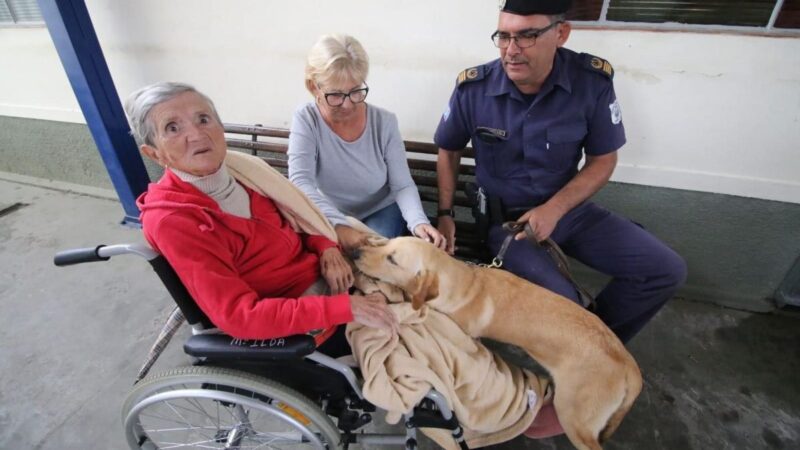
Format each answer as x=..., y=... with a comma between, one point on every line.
x=446, y=212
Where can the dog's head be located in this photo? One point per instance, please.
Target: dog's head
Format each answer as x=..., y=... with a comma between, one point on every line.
x=402, y=262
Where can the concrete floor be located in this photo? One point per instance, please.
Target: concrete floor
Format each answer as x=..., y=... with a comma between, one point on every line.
x=72, y=339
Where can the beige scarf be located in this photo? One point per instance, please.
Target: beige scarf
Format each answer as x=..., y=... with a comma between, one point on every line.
x=301, y=213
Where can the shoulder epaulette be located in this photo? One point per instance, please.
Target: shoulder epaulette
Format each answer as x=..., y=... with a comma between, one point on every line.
x=471, y=74
x=600, y=65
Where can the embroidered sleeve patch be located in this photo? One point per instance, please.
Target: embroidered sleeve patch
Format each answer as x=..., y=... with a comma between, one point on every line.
x=616, y=112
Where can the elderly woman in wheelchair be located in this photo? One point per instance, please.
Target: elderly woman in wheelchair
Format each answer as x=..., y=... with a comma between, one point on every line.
x=245, y=278
x=248, y=270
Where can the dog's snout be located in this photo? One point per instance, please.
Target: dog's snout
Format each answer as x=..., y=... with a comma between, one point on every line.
x=355, y=253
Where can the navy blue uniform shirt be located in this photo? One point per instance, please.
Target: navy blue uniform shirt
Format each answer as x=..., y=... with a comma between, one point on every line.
x=528, y=147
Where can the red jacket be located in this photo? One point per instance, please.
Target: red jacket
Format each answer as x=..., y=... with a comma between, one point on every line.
x=245, y=274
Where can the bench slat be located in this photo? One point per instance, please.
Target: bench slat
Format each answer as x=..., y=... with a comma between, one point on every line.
x=257, y=130
x=275, y=147
x=423, y=180
x=470, y=254
x=431, y=166
x=465, y=227
x=458, y=200
x=277, y=164
x=273, y=151
x=429, y=148
x=420, y=180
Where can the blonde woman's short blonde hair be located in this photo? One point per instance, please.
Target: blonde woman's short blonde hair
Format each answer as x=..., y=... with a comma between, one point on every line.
x=336, y=58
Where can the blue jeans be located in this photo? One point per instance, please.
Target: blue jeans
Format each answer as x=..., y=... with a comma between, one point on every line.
x=388, y=222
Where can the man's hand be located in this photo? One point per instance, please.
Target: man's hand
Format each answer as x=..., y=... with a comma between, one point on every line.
x=371, y=310
x=447, y=226
x=593, y=176
x=336, y=270
x=427, y=232
x=349, y=237
x=542, y=219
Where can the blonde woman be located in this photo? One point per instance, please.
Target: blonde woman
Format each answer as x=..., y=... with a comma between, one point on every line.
x=346, y=155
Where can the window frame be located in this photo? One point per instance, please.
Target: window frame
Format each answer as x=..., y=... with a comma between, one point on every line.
x=602, y=23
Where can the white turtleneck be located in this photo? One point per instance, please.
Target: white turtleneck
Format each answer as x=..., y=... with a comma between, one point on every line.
x=223, y=188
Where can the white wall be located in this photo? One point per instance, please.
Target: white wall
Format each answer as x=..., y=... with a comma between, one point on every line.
x=709, y=112
x=32, y=79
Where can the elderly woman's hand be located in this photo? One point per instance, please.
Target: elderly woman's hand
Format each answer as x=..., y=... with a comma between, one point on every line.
x=336, y=270
x=430, y=234
x=371, y=310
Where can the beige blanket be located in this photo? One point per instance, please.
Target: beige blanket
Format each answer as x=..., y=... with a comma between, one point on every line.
x=493, y=401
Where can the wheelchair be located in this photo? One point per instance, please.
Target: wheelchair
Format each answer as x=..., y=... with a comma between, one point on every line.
x=252, y=394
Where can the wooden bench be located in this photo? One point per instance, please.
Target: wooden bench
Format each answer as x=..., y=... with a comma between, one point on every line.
x=271, y=144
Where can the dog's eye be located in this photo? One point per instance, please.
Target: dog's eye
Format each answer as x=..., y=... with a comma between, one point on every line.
x=391, y=260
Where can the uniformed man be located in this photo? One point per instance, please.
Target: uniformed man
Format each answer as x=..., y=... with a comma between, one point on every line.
x=531, y=115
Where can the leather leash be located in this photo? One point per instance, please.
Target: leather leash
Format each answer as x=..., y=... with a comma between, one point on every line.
x=552, y=249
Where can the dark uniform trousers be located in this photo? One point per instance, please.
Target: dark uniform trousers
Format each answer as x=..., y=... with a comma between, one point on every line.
x=645, y=272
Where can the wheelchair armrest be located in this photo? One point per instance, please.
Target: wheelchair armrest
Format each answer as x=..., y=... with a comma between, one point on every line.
x=222, y=346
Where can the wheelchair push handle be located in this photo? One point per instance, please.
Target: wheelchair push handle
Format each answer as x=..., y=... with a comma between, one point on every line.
x=79, y=255
x=102, y=253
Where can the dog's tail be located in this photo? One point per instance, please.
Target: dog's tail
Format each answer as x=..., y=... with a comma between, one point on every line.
x=633, y=386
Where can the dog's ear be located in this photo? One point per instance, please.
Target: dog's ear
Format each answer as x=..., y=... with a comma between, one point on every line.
x=375, y=240
x=426, y=287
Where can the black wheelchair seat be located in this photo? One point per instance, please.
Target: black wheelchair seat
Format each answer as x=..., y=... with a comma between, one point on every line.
x=222, y=347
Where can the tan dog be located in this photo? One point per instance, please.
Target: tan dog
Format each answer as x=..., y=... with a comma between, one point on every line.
x=596, y=379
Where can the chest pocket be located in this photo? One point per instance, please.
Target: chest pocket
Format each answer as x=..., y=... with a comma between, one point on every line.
x=495, y=152
x=564, y=144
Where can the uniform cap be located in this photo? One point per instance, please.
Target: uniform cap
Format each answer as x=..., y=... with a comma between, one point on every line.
x=530, y=7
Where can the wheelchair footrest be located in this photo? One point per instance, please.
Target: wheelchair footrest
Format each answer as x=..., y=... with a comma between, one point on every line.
x=423, y=418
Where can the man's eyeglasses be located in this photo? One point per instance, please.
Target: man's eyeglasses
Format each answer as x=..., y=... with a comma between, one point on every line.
x=355, y=96
x=525, y=39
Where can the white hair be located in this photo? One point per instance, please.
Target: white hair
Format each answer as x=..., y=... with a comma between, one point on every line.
x=336, y=58
x=141, y=102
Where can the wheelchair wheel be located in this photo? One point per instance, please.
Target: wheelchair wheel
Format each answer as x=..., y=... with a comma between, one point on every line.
x=211, y=407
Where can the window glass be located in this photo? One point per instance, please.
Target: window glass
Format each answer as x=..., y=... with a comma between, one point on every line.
x=5, y=13
x=754, y=13
x=585, y=10
x=789, y=16
x=20, y=11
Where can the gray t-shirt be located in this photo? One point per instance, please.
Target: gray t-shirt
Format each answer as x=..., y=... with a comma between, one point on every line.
x=353, y=178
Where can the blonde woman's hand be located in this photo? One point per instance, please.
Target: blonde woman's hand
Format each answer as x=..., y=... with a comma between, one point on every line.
x=336, y=270
x=429, y=233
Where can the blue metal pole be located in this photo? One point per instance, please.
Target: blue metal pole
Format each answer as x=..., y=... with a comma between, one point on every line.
x=76, y=42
